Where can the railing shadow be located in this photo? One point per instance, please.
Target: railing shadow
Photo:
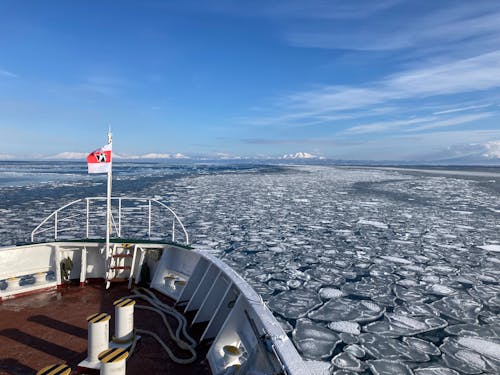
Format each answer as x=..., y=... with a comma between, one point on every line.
x=59, y=326
x=42, y=345
x=14, y=367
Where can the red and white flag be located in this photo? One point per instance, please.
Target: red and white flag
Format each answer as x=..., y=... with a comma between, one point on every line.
x=99, y=161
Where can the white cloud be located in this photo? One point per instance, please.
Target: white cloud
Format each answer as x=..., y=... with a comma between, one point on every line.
x=383, y=126
x=7, y=157
x=442, y=29
x=492, y=149
x=333, y=103
x=452, y=121
x=461, y=109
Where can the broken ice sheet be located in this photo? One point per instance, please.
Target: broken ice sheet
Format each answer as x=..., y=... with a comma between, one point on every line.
x=472, y=355
x=413, y=294
x=387, y=367
x=313, y=340
x=329, y=293
x=434, y=370
x=405, y=325
x=459, y=308
x=381, y=347
x=423, y=346
x=368, y=287
x=349, y=362
x=347, y=310
x=355, y=350
x=293, y=304
x=345, y=326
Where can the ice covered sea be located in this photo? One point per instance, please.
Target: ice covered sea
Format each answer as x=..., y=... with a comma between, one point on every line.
x=371, y=271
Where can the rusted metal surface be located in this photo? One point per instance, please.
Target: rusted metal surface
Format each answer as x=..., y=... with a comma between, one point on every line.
x=51, y=327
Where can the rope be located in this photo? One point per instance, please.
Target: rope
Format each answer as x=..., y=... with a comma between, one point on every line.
x=162, y=309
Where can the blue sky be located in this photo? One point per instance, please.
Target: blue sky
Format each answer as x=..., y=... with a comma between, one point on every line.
x=388, y=79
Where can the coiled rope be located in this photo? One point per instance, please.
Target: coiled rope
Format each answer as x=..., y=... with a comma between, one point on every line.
x=163, y=309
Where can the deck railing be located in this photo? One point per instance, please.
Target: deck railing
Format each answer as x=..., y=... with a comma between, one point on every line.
x=131, y=218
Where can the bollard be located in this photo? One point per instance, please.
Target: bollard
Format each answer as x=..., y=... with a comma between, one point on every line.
x=98, y=335
x=113, y=361
x=124, y=320
x=59, y=369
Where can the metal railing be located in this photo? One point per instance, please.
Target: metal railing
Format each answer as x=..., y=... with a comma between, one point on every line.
x=131, y=218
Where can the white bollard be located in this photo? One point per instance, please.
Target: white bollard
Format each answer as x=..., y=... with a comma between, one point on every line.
x=124, y=321
x=113, y=361
x=98, y=332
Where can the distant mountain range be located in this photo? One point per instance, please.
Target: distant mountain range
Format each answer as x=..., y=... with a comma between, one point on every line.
x=469, y=154
x=83, y=155
x=301, y=155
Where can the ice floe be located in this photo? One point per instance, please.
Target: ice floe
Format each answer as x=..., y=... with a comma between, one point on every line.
x=346, y=309
x=345, y=326
x=293, y=304
x=313, y=340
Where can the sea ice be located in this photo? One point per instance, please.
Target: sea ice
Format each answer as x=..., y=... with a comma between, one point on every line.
x=381, y=347
x=482, y=346
x=435, y=371
x=349, y=362
x=293, y=304
x=494, y=248
x=347, y=310
x=404, y=325
x=386, y=367
x=329, y=293
x=373, y=223
x=459, y=308
x=313, y=340
x=397, y=260
x=347, y=327
x=355, y=350
x=422, y=346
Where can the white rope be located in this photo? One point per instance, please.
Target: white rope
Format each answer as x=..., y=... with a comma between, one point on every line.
x=153, y=300
x=162, y=309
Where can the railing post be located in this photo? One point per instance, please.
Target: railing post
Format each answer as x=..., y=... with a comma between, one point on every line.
x=149, y=220
x=88, y=217
x=173, y=230
x=55, y=226
x=119, y=217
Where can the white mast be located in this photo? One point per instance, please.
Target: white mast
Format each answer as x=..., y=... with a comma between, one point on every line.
x=108, y=212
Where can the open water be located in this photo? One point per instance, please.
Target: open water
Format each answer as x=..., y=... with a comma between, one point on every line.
x=369, y=270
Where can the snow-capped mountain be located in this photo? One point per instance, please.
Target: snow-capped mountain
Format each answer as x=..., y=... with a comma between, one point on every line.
x=299, y=155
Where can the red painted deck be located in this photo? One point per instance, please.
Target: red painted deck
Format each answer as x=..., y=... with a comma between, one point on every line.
x=51, y=327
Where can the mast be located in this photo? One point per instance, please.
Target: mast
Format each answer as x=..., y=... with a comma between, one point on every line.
x=108, y=211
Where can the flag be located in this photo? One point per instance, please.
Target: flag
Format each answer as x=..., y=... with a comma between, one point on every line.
x=99, y=161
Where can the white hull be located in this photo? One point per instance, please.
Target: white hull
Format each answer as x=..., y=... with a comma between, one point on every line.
x=234, y=313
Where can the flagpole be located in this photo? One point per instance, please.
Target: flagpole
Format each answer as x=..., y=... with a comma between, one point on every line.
x=108, y=212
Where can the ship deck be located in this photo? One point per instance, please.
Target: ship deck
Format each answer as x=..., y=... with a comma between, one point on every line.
x=50, y=327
